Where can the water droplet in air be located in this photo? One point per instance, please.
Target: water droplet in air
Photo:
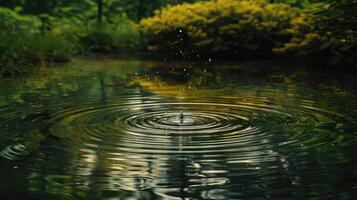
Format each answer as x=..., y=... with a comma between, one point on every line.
x=181, y=116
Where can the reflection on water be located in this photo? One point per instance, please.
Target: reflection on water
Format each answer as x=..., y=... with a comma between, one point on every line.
x=106, y=128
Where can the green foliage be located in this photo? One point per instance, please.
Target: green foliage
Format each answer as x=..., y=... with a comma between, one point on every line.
x=297, y=3
x=305, y=39
x=34, y=30
x=139, y=9
x=19, y=50
x=60, y=33
x=239, y=28
x=38, y=7
x=11, y=21
x=22, y=44
x=112, y=38
x=338, y=22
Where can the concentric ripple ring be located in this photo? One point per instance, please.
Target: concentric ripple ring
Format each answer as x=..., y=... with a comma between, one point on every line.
x=184, y=127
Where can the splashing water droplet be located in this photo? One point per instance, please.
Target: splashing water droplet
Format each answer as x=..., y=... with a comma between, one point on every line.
x=181, y=117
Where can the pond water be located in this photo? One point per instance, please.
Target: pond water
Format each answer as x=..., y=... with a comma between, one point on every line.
x=120, y=128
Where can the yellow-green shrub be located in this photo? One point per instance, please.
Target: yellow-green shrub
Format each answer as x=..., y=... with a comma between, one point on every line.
x=240, y=28
x=304, y=36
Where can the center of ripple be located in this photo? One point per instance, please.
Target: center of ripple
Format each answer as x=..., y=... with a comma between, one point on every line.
x=178, y=127
x=190, y=120
x=182, y=119
x=157, y=119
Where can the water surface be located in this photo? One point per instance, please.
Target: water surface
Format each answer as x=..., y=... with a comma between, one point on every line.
x=119, y=128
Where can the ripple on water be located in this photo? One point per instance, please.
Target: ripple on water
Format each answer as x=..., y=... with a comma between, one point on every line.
x=202, y=146
x=189, y=127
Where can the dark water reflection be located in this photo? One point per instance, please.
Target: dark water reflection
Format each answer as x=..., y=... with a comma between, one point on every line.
x=105, y=128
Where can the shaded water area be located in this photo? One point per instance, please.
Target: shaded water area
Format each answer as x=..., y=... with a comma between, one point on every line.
x=114, y=128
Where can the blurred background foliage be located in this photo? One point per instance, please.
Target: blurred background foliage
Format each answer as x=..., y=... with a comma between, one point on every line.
x=36, y=31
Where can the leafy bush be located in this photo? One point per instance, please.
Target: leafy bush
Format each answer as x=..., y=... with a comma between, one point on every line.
x=304, y=38
x=11, y=21
x=22, y=44
x=296, y=3
x=338, y=22
x=121, y=36
x=239, y=28
x=18, y=50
